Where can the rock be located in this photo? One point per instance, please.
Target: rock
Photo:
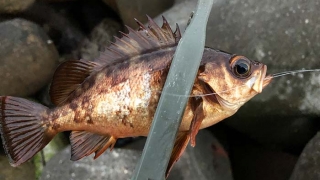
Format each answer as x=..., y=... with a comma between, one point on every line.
x=44, y=96
x=308, y=165
x=14, y=6
x=58, y=143
x=281, y=34
x=92, y=13
x=27, y=57
x=59, y=23
x=251, y=162
x=57, y=0
x=179, y=1
x=207, y=161
x=138, y=9
x=179, y=14
x=25, y=171
x=112, y=4
x=118, y=164
x=99, y=38
x=285, y=113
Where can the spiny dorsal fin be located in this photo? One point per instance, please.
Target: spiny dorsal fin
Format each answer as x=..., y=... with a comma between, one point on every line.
x=144, y=40
x=71, y=74
x=85, y=143
x=68, y=77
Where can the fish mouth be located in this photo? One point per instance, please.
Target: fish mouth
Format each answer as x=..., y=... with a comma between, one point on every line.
x=267, y=81
x=262, y=80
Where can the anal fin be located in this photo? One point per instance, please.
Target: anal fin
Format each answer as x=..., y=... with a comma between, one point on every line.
x=178, y=149
x=84, y=143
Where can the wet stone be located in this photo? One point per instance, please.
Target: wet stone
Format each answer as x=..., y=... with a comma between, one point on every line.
x=58, y=0
x=26, y=171
x=14, y=6
x=308, y=165
x=99, y=38
x=112, y=4
x=206, y=161
x=251, y=162
x=58, y=143
x=118, y=164
x=138, y=9
x=28, y=58
x=285, y=114
x=179, y=14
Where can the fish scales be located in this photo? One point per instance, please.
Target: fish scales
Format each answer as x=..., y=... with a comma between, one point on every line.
x=126, y=108
x=122, y=99
x=116, y=95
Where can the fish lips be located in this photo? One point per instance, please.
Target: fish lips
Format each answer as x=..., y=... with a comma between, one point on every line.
x=262, y=80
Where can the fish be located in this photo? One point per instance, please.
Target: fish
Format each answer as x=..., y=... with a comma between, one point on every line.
x=115, y=96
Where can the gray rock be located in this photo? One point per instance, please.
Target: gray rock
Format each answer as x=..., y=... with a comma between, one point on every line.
x=25, y=171
x=138, y=9
x=118, y=164
x=44, y=96
x=308, y=166
x=251, y=162
x=99, y=38
x=28, y=58
x=283, y=35
x=207, y=160
x=112, y=4
x=58, y=143
x=58, y=0
x=59, y=24
x=14, y=6
x=179, y=14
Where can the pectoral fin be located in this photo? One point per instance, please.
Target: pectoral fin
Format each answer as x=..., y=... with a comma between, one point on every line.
x=196, y=123
x=178, y=149
x=85, y=143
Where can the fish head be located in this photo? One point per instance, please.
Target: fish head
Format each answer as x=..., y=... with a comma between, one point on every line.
x=234, y=79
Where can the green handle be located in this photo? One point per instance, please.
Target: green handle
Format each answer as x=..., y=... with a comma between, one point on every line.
x=180, y=79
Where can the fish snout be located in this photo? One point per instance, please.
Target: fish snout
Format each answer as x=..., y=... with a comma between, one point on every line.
x=261, y=80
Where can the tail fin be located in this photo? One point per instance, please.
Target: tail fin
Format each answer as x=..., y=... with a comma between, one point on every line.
x=23, y=128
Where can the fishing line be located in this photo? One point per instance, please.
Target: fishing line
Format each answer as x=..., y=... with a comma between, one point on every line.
x=275, y=75
x=293, y=72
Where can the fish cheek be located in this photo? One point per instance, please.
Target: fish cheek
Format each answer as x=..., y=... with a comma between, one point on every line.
x=207, y=72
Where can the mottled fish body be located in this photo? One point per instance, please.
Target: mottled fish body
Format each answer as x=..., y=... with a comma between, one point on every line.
x=116, y=96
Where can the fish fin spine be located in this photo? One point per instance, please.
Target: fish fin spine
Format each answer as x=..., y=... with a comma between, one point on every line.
x=145, y=39
x=23, y=128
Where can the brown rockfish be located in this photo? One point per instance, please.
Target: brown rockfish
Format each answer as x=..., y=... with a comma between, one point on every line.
x=116, y=95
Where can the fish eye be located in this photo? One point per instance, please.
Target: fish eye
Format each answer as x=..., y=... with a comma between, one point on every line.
x=241, y=67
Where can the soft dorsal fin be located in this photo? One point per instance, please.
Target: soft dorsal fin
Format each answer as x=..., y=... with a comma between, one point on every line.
x=68, y=77
x=85, y=143
x=144, y=40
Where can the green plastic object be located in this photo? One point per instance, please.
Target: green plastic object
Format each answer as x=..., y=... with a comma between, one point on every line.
x=180, y=79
